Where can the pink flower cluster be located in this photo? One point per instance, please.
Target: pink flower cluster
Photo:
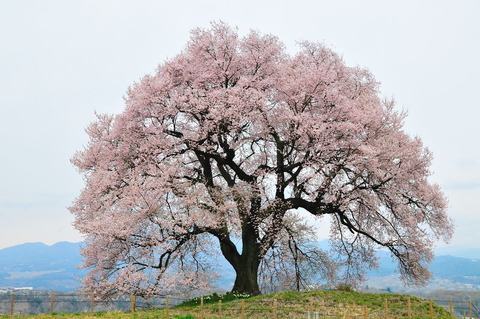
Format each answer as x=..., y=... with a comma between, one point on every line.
x=236, y=139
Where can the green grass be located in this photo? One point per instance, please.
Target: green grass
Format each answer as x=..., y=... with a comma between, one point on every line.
x=329, y=304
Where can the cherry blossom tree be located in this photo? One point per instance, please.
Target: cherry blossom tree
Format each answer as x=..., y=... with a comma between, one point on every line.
x=232, y=144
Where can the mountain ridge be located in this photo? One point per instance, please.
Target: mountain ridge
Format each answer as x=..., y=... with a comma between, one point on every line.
x=41, y=266
x=56, y=267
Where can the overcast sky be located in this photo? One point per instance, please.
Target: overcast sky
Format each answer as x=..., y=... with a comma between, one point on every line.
x=60, y=61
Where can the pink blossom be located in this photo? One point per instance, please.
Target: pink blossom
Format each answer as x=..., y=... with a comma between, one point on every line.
x=229, y=140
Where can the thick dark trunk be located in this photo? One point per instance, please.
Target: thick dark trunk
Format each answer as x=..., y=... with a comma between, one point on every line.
x=247, y=278
x=245, y=264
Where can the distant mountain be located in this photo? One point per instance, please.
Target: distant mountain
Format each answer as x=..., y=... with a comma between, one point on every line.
x=449, y=272
x=446, y=267
x=55, y=267
x=41, y=266
x=470, y=253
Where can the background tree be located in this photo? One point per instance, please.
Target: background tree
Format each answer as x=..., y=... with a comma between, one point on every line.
x=233, y=142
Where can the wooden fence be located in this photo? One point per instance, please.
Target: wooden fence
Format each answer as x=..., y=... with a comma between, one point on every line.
x=274, y=308
x=34, y=303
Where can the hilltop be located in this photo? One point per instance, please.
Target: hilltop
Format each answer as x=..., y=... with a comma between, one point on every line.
x=292, y=305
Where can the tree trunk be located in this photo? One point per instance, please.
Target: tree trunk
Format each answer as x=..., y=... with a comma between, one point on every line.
x=246, y=264
x=246, y=280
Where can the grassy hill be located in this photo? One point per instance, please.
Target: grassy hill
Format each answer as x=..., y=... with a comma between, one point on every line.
x=328, y=304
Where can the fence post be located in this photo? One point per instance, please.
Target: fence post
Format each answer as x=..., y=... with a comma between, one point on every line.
x=132, y=302
x=311, y=311
x=386, y=308
x=52, y=301
x=275, y=309
x=451, y=308
x=365, y=312
x=431, y=309
x=220, y=307
x=243, y=308
x=470, y=309
x=92, y=303
x=12, y=304
x=202, y=313
x=409, y=308
x=167, y=305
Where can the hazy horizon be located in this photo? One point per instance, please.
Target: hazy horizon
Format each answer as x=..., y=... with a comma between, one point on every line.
x=456, y=251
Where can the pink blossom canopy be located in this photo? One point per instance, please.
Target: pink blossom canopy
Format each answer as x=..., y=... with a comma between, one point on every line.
x=235, y=138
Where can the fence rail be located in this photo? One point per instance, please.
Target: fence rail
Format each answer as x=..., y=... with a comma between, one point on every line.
x=30, y=304
x=460, y=308
x=13, y=304
x=390, y=309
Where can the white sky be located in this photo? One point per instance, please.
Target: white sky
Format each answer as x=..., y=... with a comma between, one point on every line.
x=61, y=60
